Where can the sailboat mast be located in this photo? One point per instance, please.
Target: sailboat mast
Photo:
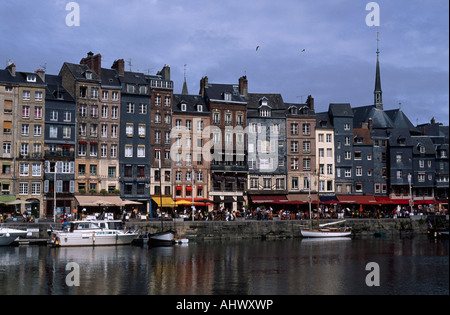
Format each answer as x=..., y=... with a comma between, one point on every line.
x=160, y=195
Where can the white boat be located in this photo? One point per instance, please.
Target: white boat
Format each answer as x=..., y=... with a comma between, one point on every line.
x=7, y=235
x=327, y=232
x=93, y=233
x=162, y=238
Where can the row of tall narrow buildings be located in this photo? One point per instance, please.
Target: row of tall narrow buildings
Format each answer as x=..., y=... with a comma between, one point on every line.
x=94, y=136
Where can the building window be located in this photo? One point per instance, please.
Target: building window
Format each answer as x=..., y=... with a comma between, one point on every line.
x=26, y=95
x=142, y=109
x=129, y=129
x=141, y=151
x=114, y=112
x=113, y=150
x=128, y=150
x=158, y=100
x=306, y=164
x=23, y=188
x=306, y=129
x=38, y=96
x=130, y=108
x=53, y=132
x=294, y=183
x=294, y=129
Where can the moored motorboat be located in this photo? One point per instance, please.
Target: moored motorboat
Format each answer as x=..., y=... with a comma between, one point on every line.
x=8, y=236
x=93, y=233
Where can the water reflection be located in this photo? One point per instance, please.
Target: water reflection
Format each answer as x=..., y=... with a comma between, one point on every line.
x=409, y=266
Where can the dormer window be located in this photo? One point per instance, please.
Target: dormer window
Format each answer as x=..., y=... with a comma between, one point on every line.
x=293, y=110
x=421, y=148
x=265, y=112
x=200, y=108
x=31, y=78
x=227, y=96
x=88, y=75
x=183, y=107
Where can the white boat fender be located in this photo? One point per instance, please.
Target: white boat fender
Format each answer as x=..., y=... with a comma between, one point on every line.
x=7, y=235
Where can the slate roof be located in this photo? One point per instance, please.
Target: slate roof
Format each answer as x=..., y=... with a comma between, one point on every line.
x=216, y=91
x=425, y=141
x=110, y=78
x=55, y=87
x=78, y=71
x=191, y=102
x=380, y=120
x=20, y=78
x=274, y=102
x=401, y=121
x=323, y=121
x=340, y=109
x=133, y=78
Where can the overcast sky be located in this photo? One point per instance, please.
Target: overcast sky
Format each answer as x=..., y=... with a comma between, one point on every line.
x=218, y=39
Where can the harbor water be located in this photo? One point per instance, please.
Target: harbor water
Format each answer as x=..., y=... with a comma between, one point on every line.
x=409, y=266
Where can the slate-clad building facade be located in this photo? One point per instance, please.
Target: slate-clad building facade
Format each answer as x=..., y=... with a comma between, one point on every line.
x=59, y=138
x=266, y=122
x=134, y=148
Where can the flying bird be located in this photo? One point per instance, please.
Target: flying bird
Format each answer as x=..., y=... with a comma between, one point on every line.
x=257, y=47
x=303, y=50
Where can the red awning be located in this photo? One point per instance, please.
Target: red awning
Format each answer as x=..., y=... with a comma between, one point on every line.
x=188, y=188
x=275, y=199
x=389, y=201
x=424, y=202
x=357, y=199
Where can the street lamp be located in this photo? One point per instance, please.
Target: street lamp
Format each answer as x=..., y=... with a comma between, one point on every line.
x=411, y=201
x=192, y=192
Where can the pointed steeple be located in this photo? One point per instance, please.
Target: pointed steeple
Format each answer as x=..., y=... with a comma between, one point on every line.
x=185, y=88
x=378, y=94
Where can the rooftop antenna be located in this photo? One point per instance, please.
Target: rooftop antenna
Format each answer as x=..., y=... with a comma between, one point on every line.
x=130, y=64
x=185, y=66
x=301, y=98
x=44, y=67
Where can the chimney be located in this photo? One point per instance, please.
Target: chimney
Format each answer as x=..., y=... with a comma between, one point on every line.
x=165, y=72
x=370, y=124
x=310, y=102
x=243, y=86
x=93, y=62
x=41, y=74
x=119, y=66
x=203, y=85
x=12, y=69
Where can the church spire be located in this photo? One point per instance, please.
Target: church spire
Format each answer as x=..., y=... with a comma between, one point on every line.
x=185, y=89
x=378, y=94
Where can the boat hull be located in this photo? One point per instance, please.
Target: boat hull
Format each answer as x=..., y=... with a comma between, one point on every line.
x=8, y=236
x=93, y=239
x=164, y=238
x=324, y=233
